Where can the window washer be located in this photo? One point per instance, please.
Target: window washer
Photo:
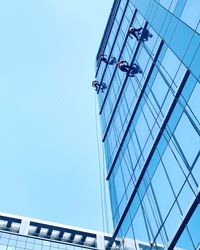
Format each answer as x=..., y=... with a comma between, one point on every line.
x=95, y=84
x=135, y=32
x=112, y=61
x=144, y=34
x=99, y=86
x=103, y=58
x=135, y=69
x=123, y=66
x=132, y=70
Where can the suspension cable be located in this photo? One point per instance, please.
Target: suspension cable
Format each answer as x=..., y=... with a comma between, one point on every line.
x=99, y=166
x=102, y=176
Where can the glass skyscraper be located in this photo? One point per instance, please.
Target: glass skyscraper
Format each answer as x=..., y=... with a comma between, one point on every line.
x=151, y=121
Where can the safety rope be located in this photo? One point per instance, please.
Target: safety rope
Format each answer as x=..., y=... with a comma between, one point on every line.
x=99, y=166
x=102, y=177
x=104, y=192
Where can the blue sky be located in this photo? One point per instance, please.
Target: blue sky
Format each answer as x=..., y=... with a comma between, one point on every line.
x=48, y=149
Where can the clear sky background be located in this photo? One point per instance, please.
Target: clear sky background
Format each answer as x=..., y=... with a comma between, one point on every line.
x=48, y=148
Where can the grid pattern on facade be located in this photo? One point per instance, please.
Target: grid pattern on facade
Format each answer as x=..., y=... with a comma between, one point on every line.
x=41, y=233
x=17, y=242
x=151, y=122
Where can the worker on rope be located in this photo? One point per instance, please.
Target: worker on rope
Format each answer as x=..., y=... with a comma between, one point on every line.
x=146, y=35
x=135, y=32
x=112, y=61
x=135, y=69
x=131, y=70
x=99, y=86
x=123, y=66
x=139, y=33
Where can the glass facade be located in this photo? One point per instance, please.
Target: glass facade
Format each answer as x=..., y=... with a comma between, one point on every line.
x=21, y=233
x=19, y=242
x=151, y=122
x=9, y=241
